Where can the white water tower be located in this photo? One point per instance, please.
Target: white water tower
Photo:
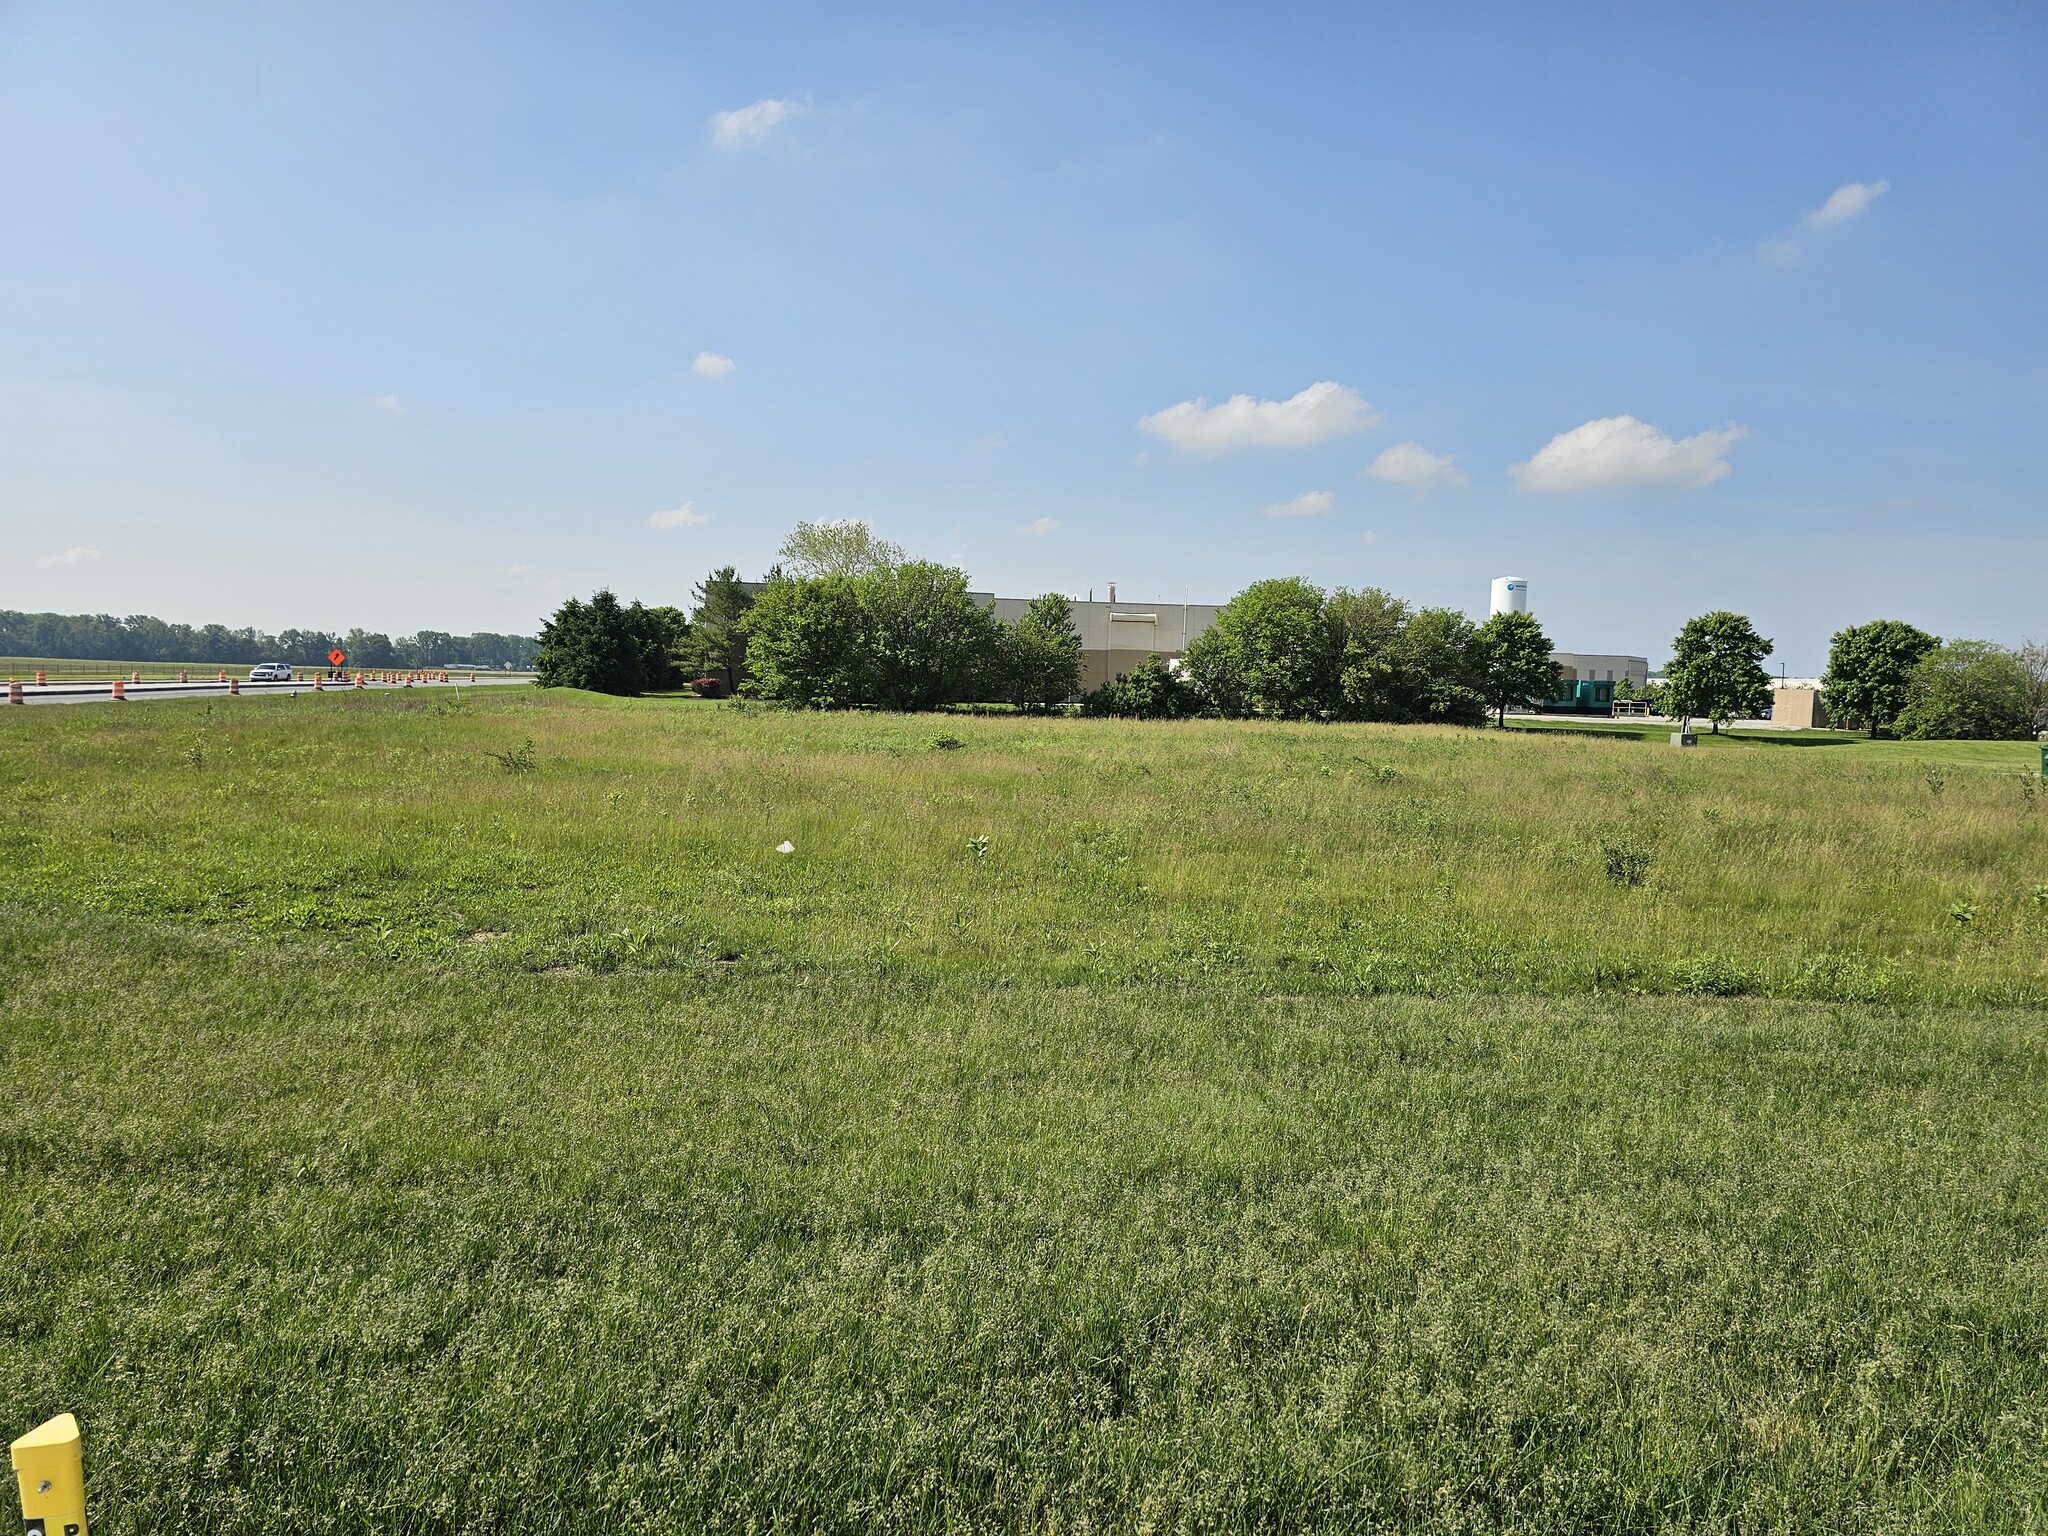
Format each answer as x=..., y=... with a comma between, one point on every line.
x=1510, y=595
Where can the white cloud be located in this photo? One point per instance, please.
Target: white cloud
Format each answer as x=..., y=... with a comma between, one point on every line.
x=1307, y=504
x=389, y=403
x=712, y=365
x=989, y=442
x=77, y=554
x=685, y=516
x=1414, y=466
x=751, y=125
x=1317, y=414
x=1845, y=202
x=1619, y=452
x=1372, y=535
x=1043, y=526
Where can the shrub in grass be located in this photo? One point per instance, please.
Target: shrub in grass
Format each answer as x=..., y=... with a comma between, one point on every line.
x=519, y=760
x=1712, y=976
x=1627, y=858
x=1150, y=691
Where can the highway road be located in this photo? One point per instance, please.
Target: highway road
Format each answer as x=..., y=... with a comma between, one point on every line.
x=137, y=693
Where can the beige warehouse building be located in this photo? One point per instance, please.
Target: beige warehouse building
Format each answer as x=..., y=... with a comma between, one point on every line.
x=1116, y=637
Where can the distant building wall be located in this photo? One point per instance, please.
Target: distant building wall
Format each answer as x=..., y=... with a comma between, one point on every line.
x=1579, y=666
x=1117, y=637
x=1800, y=707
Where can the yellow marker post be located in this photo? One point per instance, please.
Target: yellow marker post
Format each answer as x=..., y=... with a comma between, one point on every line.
x=52, y=1476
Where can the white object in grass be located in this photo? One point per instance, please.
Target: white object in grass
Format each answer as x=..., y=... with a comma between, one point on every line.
x=785, y=847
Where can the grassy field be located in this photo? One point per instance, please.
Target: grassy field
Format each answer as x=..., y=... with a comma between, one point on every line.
x=456, y=1116
x=1659, y=731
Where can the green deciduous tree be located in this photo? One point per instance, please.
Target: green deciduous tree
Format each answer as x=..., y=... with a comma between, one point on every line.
x=847, y=547
x=2033, y=656
x=717, y=642
x=929, y=642
x=905, y=636
x=1716, y=670
x=607, y=647
x=1869, y=669
x=1273, y=651
x=1439, y=669
x=807, y=642
x=1042, y=655
x=1512, y=662
x=1968, y=690
x=1284, y=649
x=1369, y=627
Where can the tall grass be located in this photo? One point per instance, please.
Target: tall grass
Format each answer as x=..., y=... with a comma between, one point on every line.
x=1326, y=859
x=455, y=1116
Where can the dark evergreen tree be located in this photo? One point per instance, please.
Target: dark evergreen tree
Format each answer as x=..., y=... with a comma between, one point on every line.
x=605, y=647
x=718, y=643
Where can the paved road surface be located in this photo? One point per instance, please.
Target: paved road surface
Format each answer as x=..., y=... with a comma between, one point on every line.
x=101, y=693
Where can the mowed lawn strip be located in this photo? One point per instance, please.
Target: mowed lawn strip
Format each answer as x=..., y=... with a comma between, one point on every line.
x=514, y=829
x=314, y=1240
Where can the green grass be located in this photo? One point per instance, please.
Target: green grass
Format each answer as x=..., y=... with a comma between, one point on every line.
x=1660, y=731
x=61, y=669
x=1266, y=1128
x=1346, y=860
x=2011, y=756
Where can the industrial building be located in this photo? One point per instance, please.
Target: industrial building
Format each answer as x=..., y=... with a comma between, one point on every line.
x=1586, y=681
x=1578, y=666
x=1799, y=708
x=1116, y=637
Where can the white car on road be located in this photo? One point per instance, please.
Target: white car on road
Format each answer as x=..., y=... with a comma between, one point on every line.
x=270, y=672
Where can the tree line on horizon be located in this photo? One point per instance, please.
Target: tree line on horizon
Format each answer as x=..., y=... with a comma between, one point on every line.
x=103, y=637
x=846, y=621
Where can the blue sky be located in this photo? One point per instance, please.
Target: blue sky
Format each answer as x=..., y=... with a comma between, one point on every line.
x=394, y=316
